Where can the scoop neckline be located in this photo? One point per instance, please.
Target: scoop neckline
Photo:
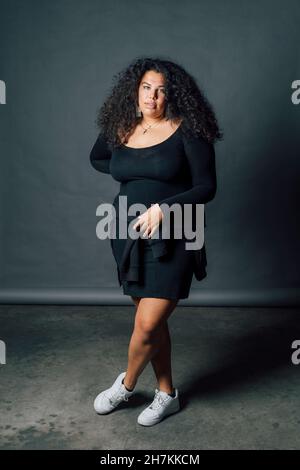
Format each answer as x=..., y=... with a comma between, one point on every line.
x=155, y=145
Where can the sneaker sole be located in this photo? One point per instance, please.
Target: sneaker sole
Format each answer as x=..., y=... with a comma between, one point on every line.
x=159, y=420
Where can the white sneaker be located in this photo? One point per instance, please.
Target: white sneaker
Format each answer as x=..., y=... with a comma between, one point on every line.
x=109, y=399
x=162, y=406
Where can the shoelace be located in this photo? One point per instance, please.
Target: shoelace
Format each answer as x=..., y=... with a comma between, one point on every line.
x=120, y=393
x=158, y=401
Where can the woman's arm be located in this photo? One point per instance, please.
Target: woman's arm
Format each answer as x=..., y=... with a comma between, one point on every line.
x=201, y=157
x=100, y=155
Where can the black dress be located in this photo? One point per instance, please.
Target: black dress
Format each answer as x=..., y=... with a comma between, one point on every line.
x=180, y=170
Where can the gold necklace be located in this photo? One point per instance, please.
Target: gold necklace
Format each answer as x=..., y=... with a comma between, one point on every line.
x=150, y=126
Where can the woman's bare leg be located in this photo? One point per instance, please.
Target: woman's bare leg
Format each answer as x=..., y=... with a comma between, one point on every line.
x=147, y=336
x=161, y=361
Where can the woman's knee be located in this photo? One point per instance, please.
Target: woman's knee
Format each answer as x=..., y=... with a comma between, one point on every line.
x=152, y=316
x=146, y=329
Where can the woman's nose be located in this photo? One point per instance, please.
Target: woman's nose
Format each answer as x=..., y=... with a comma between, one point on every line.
x=152, y=95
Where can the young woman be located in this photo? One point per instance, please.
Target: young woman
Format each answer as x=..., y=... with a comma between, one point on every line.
x=157, y=134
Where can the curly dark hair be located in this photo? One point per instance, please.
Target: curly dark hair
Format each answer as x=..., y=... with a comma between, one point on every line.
x=116, y=118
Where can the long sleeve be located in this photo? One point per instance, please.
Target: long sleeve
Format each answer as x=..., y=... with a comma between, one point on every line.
x=201, y=157
x=100, y=155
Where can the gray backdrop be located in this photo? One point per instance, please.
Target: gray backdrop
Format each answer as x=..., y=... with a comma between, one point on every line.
x=57, y=59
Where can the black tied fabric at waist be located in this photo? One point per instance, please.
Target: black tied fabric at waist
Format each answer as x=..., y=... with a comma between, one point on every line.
x=129, y=269
x=130, y=265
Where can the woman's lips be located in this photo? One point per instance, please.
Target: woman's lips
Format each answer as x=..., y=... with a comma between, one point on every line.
x=150, y=105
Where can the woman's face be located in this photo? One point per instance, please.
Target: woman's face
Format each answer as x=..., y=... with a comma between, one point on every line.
x=151, y=94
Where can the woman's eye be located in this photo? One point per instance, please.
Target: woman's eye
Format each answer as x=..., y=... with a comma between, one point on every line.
x=145, y=87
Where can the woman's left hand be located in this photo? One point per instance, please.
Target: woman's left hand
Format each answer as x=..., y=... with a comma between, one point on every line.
x=149, y=221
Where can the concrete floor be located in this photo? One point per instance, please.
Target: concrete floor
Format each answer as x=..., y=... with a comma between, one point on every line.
x=232, y=366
